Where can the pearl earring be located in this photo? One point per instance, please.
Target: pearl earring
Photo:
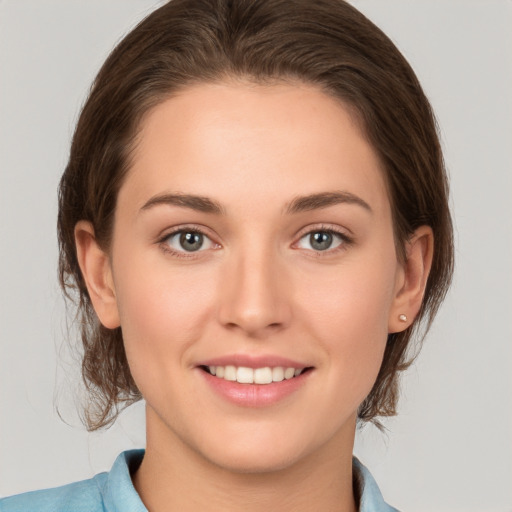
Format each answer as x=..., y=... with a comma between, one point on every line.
x=402, y=318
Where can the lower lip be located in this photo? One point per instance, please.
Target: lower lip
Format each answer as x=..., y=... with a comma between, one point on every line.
x=255, y=395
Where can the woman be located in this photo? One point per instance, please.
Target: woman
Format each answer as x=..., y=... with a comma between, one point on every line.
x=254, y=215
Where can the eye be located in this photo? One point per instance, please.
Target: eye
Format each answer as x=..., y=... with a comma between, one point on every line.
x=322, y=240
x=188, y=240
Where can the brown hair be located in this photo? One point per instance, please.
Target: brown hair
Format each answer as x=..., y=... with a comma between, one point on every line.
x=327, y=43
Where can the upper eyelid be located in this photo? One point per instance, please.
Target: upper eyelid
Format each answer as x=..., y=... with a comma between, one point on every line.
x=331, y=228
x=165, y=234
x=197, y=228
x=172, y=232
x=346, y=239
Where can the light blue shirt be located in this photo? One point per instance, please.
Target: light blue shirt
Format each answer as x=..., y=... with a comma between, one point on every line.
x=114, y=492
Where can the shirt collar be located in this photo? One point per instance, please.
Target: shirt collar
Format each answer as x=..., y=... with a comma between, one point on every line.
x=119, y=494
x=365, y=486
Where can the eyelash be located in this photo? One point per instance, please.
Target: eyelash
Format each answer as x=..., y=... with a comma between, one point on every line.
x=162, y=241
x=345, y=240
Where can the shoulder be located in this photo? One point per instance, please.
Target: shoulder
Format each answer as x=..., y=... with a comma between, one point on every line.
x=85, y=496
x=106, y=492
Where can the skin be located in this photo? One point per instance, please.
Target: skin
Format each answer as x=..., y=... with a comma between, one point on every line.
x=256, y=287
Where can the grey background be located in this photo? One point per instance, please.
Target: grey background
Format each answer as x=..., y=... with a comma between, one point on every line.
x=450, y=448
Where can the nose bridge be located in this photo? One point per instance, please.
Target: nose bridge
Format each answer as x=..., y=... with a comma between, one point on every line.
x=254, y=294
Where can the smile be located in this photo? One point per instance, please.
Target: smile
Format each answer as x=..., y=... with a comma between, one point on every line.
x=245, y=375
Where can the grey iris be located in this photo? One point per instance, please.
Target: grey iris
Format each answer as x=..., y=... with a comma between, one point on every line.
x=191, y=241
x=320, y=240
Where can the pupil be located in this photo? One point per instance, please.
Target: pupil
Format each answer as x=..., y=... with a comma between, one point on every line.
x=191, y=241
x=320, y=240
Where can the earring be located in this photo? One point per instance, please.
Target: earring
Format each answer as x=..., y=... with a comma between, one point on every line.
x=402, y=318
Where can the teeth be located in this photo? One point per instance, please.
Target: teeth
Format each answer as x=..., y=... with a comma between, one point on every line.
x=246, y=375
x=230, y=373
x=263, y=375
x=289, y=373
x=277, y=374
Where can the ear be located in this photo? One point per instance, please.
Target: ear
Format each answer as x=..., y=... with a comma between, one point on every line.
x=412, y=279
x=96, y=270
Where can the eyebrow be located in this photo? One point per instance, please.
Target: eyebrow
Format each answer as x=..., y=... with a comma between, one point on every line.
x=324, y=200
x=198, y=203
x=297, y=205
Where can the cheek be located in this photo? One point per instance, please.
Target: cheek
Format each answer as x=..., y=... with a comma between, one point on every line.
x=162, y=312
x=352, y=298
x=348, y=316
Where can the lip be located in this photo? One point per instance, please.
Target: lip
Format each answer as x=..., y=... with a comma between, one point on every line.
x=254, y=395
x=253, y=361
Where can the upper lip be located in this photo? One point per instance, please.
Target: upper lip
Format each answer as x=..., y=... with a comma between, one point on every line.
x=249, y=361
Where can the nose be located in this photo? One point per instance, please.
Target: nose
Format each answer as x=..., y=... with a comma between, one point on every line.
x=255, y=295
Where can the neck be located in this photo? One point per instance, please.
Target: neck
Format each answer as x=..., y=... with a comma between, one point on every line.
x=173, y=476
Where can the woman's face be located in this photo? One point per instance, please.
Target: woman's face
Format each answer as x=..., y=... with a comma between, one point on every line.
x=253, y=234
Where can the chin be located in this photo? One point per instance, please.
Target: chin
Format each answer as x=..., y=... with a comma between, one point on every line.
x=254, y=461
x=267, y=449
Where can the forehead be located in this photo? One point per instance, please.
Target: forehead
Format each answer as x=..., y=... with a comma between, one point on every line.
x=238, y=141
